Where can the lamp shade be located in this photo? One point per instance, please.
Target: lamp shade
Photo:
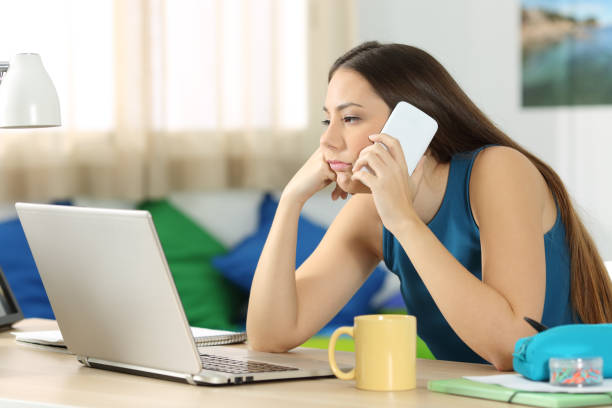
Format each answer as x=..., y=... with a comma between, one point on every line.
x=27, y=95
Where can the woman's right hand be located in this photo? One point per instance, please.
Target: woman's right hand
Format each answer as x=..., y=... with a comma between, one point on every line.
x=312, y=177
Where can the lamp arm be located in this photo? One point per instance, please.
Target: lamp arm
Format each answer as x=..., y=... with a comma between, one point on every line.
x=4, y=66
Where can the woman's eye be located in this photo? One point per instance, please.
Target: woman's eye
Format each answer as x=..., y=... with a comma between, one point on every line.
x=346, y=119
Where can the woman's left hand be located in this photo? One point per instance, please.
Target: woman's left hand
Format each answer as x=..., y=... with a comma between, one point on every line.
x=392, y=188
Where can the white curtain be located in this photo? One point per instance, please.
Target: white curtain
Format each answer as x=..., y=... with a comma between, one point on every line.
x=159, y=96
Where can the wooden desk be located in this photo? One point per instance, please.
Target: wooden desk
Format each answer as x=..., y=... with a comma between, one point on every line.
x=30, y=374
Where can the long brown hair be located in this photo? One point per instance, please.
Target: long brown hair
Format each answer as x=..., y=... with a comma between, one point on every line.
x=400, y=72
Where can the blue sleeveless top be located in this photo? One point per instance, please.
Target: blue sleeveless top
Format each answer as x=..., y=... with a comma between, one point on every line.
x=455, y=227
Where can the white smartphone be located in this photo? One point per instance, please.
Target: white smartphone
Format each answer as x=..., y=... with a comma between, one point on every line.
x=413, y=128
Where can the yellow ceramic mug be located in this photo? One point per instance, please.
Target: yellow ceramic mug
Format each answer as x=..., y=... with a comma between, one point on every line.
x=385, y=352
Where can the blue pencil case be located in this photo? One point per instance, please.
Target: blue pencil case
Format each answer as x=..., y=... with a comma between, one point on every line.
x=531, y=354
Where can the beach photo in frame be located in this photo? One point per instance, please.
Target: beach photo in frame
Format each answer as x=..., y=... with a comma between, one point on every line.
x=566, y=49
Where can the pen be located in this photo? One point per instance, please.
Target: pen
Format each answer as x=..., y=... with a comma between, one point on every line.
x=536, y=325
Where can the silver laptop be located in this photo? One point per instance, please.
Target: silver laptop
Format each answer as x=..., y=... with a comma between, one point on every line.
x=117, y=306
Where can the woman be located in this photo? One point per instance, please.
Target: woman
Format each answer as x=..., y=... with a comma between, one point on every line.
x=481, y=235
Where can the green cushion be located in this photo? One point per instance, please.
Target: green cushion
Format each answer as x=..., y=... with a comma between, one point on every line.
x=346, y=344
x=209, y=299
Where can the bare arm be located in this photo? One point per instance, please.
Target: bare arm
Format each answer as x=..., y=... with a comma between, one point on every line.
x=510, y=201
x=286, y=307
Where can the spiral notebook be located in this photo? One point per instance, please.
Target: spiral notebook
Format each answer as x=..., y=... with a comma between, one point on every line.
x=52, y=339
x=210, y=337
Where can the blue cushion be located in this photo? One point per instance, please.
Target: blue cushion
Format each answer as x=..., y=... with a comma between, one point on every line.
x=21, y=273
x=239, y=264
x=396, y=301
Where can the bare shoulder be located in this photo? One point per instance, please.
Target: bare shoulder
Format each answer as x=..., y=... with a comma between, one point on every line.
x=504, y=177
x=501, y=159
x=359, y=221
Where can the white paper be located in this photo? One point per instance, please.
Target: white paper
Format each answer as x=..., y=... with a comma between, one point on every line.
x=50, y=340
x=54, y=337
x=519, y=382
x=201, y=332
x=47, y=337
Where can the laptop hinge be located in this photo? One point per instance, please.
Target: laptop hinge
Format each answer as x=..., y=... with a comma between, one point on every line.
x=83, y=360
x=133, y=369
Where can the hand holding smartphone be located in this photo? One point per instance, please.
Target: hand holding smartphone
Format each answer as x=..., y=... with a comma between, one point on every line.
x=413, y=128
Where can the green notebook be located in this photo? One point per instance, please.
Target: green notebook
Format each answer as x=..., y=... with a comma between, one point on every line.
x=468, y=388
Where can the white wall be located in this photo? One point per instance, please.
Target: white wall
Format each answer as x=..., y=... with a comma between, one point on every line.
x=478, y=41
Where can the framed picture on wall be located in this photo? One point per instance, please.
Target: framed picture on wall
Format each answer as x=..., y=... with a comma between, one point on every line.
x=566, y=49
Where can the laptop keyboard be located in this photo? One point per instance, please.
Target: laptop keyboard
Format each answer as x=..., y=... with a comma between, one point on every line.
x=232, y=366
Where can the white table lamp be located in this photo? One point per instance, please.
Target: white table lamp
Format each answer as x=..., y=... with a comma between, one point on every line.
x=28, y=98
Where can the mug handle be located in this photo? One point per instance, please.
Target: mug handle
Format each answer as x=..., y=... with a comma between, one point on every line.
x=331, y=348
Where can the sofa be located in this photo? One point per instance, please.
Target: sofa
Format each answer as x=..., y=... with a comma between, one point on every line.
x=212, y=242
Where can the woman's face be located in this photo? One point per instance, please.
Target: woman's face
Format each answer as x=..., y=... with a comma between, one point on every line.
x=353, y=111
